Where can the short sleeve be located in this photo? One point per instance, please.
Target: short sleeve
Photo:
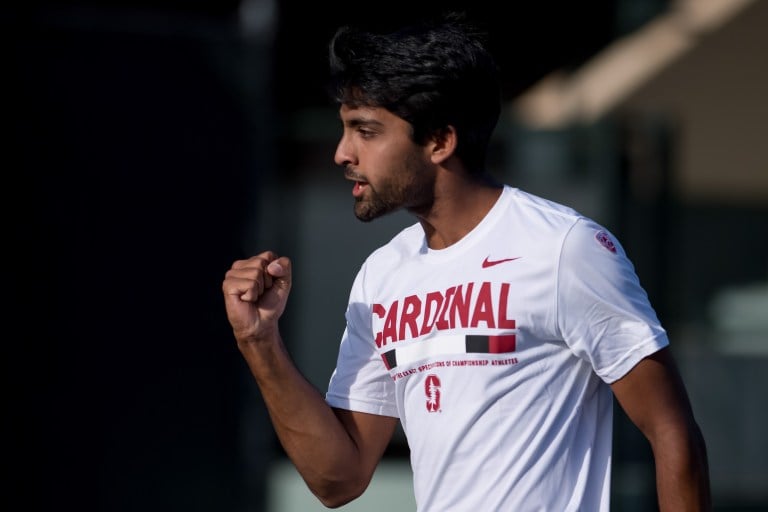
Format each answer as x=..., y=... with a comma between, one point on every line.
x=603, y=312
x=360, y=381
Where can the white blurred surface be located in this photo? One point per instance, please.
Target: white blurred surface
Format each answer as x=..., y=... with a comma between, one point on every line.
x=390, y=489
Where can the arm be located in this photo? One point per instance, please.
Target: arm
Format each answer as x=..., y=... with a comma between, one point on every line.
x=335, y=451
x=654, y=397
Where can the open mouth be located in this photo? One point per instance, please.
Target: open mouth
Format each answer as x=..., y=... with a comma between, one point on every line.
x=358, y=188
x=359, y=184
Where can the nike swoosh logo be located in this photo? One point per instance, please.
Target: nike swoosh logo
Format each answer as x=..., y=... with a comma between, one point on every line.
x=488, y=263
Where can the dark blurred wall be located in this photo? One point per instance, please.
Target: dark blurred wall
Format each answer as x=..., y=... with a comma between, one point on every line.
x=129, y=180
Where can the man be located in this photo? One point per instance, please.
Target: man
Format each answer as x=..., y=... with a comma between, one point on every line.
x=497, y=329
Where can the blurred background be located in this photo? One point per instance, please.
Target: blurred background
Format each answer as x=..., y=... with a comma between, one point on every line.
x=152, y=143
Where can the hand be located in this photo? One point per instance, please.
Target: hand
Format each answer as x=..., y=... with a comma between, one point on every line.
x=255, y=293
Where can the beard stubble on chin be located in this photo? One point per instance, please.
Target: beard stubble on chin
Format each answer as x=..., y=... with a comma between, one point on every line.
x=415, y=197
x=412, y=188
x=386, y=198
x=374, y=207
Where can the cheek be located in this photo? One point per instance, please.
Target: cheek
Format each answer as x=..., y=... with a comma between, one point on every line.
x=417, y=166
x=383, y=164
x=395, y=164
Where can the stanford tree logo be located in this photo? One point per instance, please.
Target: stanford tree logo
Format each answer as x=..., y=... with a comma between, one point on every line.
x=432, y=390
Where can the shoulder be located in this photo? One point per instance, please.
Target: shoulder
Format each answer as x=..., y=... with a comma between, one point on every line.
x=386, y=259
x=405, y=244
x=540, y=208
x=542, y=221
x=561, y=229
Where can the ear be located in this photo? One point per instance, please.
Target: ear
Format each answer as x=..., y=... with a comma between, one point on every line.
x=443, y=144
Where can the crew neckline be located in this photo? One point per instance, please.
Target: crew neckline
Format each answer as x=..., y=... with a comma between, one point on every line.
x=460, y=247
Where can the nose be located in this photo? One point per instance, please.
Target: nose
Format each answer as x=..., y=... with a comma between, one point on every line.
x=344, y=153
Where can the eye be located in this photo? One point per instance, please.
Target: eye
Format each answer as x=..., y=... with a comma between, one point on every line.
x=365, y=133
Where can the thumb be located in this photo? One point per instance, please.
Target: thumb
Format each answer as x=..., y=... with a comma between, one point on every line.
x=280, y=270
x=276, y=269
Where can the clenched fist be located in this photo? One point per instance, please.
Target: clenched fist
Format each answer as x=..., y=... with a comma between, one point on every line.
x=255, y=293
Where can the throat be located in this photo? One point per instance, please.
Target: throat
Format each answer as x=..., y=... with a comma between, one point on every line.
x=438, y=239
x=450, y=221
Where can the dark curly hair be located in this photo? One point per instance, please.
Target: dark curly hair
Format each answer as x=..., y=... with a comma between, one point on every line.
x=432, y=75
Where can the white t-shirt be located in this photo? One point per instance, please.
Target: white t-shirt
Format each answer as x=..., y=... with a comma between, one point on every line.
x=496, y=354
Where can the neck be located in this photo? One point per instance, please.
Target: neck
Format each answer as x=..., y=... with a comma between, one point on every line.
x=460, y=204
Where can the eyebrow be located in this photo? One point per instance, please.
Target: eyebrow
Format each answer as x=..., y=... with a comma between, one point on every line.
x=362, y=121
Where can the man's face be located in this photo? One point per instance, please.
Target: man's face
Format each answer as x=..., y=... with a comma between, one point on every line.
x=390, y=171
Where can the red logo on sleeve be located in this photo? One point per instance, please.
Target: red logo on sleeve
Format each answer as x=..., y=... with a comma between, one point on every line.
x=605, y=240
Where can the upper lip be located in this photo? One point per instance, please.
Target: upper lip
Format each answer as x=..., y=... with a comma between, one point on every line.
x=352, y=175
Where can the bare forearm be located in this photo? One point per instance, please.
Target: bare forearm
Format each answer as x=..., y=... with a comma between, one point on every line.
x=309, y=431
x=319, y=442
